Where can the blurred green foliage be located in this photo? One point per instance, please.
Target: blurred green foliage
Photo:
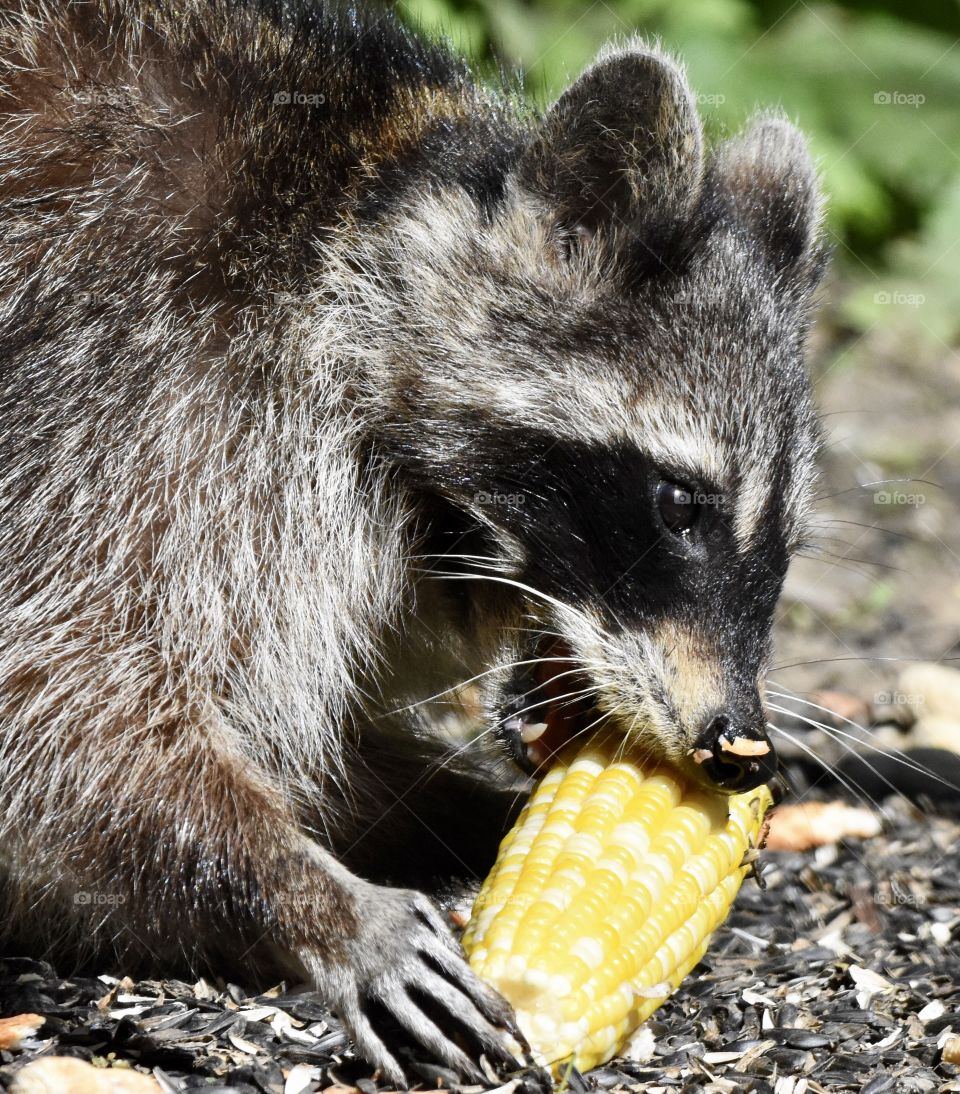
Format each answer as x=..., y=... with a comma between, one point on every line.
x=876, y=85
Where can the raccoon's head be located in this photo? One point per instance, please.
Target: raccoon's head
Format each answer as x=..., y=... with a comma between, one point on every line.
x=600, y=387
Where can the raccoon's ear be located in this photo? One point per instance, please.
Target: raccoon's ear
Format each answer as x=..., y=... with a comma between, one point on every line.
x=622, y=148
x=766, y=183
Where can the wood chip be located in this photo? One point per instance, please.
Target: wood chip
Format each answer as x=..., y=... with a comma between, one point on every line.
x=459, y=917
x=935, y=731
x=642, y=1046
x=62, y=1074
x=300, y=1078
x=933, y=1009
x=16, y=1029
x=931, y=689
x=798, y=827
x=241, y=1044
x=843, y=706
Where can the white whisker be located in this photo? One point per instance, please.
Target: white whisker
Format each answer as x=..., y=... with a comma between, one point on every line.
x=570, y=697
x=473, y=679
x=522, y=586
x=852, y=790
x=832, y=731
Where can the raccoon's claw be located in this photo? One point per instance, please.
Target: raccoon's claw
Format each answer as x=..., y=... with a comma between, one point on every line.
x=484, y=1011
x=406, y=987
x=370, y=1047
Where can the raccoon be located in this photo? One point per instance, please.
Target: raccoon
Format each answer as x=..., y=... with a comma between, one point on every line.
x=334, y=379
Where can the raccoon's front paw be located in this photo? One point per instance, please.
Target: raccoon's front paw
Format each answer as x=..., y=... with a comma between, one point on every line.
x=406, y=981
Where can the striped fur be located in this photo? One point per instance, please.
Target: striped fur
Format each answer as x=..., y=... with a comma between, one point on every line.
x=326, y=373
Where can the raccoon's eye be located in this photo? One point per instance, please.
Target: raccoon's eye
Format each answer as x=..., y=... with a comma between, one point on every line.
x=677, y=507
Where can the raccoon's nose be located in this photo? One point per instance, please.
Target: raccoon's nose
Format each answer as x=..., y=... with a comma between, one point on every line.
x=734, y=755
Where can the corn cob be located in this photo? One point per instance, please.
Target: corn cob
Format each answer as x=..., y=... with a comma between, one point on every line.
x=604, y=896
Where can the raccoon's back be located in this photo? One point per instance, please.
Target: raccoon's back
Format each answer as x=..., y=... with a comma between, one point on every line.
x=226, y=135
x=169, y=177
x=169, y=172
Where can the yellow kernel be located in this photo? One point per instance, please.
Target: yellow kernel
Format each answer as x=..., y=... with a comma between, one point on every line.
x=604, y=896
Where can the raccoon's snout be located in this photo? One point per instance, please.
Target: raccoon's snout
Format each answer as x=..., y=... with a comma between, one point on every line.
x=740, y=754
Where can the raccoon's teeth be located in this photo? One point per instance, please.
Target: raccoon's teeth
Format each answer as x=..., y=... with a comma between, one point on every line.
x=532, y=731
x=537, y=755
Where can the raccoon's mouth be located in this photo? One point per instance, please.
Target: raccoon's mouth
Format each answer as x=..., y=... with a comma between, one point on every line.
x=547, y=706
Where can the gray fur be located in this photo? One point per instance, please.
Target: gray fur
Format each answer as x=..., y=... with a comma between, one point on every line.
x=250, y=371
